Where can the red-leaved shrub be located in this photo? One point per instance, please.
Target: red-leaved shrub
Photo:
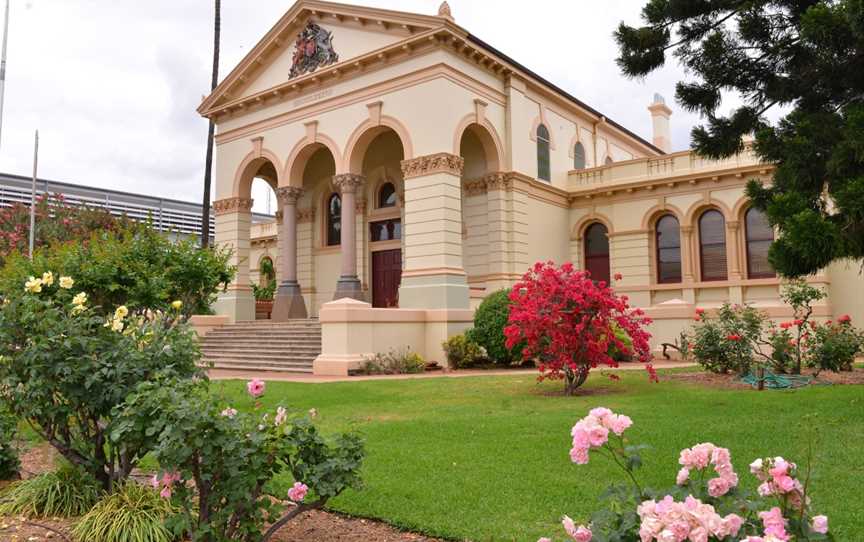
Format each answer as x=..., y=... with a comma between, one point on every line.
x=571, y=324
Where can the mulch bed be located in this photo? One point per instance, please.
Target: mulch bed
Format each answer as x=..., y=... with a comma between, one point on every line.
x=313, y=526
x=730, y=381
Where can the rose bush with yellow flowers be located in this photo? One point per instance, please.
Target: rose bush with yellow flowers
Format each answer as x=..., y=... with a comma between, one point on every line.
x=65, y=367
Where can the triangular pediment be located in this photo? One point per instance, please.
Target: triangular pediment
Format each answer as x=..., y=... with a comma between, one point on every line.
x=315, y=35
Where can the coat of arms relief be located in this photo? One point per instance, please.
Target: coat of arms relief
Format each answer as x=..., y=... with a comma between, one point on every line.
x=312, y=50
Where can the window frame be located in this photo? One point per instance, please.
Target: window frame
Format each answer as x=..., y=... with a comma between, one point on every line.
x=607, y=256
x=380, y=203
x=702, y=246
x=657, y=248
x=330, y=221
x=579, y=152
x=544, y=153
x=748, y=241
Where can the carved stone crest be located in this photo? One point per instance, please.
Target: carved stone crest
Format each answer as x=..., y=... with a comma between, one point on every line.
x=312, y=49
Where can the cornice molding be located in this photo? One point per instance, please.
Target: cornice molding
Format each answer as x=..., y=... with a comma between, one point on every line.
x=442, y=162
x=348, y=183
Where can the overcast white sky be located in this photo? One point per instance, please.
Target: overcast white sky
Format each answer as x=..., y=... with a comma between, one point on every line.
x=112, y=85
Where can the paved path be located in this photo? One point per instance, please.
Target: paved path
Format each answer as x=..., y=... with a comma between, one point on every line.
x=225, y=374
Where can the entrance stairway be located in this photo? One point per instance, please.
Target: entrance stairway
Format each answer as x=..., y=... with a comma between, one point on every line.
x=289, y=346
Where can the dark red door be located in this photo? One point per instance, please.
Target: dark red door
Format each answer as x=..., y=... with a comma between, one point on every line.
x=386, y=276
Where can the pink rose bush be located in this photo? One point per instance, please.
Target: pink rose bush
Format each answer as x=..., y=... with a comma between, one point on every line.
x=255, y=387
x=298, y=492
x=705, y=505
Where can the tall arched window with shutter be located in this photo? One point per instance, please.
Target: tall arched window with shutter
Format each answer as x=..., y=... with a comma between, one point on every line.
x=334, y=220
x=544, y=167
x=597, y=252
x=668, y=242
x=712, y=245
x=579, y=156
x=759, y=236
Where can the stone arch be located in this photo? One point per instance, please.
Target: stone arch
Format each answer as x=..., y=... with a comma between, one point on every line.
x=582, y=224
x=262, y=164
x=654, y=213
x=488, y=137
x=741, y=206
x=363, y=135
x=697, y=208
x=538, y=120
x=302, y=152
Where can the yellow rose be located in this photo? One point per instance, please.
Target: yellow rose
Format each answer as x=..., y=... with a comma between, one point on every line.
x=79, y=299
x=177, y=304
x=33, y=285
x=66, y=282
x=117, y=324
x=78, y=308
x=121, y=312
x=47, y=278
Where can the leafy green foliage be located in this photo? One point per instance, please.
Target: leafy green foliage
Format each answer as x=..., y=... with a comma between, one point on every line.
x=132, y=513
x=490, y=319
x=394, y=362
x=56, y=222
x=65, y=492
x=232, y=458
x=9, y=462
x=264, y=293
x=804, y=56
x=64, y=369
x=139, y=268
x=833, y=346
x=725, y=343
x=462, y=352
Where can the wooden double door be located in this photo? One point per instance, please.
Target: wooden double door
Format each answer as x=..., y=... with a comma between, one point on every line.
x=386, y=277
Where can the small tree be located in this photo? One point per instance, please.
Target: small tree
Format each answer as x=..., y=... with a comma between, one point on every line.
x=800, y=296
x=571, y=324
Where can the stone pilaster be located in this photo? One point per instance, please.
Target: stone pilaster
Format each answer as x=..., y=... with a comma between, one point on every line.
x=434, y=276
x=288, y=303
x=349, y=284
x=233, y=224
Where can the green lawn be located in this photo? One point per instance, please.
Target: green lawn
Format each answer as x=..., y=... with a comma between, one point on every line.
x=486, y=458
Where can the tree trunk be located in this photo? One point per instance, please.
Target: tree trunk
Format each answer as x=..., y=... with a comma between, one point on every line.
x=208, y=161
x=574, y=379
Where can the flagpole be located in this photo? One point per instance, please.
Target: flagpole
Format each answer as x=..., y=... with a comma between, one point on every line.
x=33, y=196
x=3, y=67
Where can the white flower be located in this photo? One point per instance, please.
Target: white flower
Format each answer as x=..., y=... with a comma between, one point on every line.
x=80, y=299
x=281, y=415
x=229, y=412
x=33, y=285
x=47, y=278
x=117, y=324
x=66, y=282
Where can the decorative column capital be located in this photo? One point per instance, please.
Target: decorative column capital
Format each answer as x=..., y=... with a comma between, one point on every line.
x=474, y=187
x=232, y=205
x=442, y=162
x=686, y=229
x=288, y=195
x=306, y=215
x=733, y=225
x=348, y=183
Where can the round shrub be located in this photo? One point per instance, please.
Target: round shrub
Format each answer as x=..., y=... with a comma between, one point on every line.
x=133, y=513
x=490, y=319
x=462, y=352
x=66, y=492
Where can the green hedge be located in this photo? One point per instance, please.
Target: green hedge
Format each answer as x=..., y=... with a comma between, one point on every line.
x=490, y=319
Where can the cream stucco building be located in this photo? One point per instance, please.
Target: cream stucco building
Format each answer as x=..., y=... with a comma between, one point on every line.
x=418, y=169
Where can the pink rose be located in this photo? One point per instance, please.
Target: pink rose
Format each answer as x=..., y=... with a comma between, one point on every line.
x=579, y=455
x=600, y=412
x=820, y=524
x=544, y=539
x=166, y=492
x=569, y=526
x=298, y=492
x=683, y=476
x=717, y=487
x=598, y=436
x=255, y=387
x=619, y=423
x=583, y=534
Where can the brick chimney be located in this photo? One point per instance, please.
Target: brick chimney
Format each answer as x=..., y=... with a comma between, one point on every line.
x=660, y=114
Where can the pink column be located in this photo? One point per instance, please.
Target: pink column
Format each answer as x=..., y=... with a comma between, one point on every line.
x=288, y=303
x=349, y=284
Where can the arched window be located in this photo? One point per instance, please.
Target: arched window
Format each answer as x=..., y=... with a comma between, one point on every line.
x=334, y=220
x=266, y=271
x=609, y=160
x=759, y=235
x=579, y=156
x=597, y=252
x=544, y=168
x=387, y=195
x=668, y=240
x=712, y=245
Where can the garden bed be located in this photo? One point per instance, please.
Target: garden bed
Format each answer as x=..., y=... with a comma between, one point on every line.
x=314, y=526
x=732, y=381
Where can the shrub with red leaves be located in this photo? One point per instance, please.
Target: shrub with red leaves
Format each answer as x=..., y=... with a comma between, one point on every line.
x=571, y=324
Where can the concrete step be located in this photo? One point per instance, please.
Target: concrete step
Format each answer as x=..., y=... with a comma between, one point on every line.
x=245, y=366
x=275, y=356
x=272, y=343
x=264, y=346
